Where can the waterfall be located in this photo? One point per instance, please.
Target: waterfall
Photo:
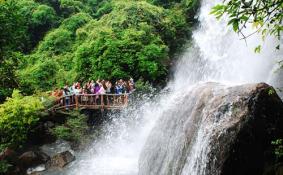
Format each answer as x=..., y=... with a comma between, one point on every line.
x=217, y=55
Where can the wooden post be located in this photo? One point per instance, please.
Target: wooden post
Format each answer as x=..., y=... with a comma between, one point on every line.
x=77, y=102
x=64, y=102
x=102, y=102
x=107, y=98
x=126, y=100
x=114, y=100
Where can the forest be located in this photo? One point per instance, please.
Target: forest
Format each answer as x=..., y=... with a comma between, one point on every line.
x=45, y=44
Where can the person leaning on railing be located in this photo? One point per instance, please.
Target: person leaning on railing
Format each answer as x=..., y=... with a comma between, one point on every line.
x=75, y=93
x=119, y=87
x=66, y=94
x=108, y=85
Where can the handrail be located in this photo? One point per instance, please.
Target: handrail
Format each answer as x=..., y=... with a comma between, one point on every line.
x=91, y=101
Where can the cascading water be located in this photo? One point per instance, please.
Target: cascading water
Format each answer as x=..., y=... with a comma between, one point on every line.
x=217, y=55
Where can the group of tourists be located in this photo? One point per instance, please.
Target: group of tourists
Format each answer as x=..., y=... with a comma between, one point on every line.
x=99, y=87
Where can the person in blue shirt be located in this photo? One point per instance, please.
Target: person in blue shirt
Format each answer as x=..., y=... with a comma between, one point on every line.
x=119, y=87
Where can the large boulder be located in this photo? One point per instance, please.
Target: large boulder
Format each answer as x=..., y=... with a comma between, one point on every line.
x=33, y=158
x=54, y=148
x=36, y=170
x=215, y=130
x=62, y=159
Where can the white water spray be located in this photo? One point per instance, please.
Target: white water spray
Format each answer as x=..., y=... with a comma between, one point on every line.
x=218, y=55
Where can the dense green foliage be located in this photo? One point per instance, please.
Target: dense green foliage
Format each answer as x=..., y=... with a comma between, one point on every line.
x=45, y=43
x=17, y=116
x=266, y=16
x=74, y=129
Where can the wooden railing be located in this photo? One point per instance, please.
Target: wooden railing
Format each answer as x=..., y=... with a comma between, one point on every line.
x=91, y=101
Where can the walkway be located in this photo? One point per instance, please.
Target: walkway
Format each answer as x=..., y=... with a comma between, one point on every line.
x=92, y=101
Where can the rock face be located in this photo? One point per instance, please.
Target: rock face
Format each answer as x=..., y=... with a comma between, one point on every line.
x=33, y=158
x=215, y=130
x=37, y=169
x=62, y=159
x=57, y=147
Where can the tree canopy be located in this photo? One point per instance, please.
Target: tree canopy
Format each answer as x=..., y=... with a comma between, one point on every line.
x=45, y=44
x=17, y=115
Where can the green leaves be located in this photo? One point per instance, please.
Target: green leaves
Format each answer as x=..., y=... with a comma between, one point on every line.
x=17, y=115
x=56, y=42
x=76, y=21
x=278, y=151
x=43, y=15
x=12, y=28
x=78, y=40
x=134, y=38
x=235, y=25
x=74, y=129
x=218, y=10
x=265, y=16
x=257, y=49
x=125, y=53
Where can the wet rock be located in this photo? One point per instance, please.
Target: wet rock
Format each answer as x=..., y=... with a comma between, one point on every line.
x=56, y=147
x=36, y=170
x=33, y=158
x=215, y=130
x=35, y=173
x=62, y=159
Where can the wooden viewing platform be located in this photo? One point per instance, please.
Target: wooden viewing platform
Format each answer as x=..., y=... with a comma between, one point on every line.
x=91, y=101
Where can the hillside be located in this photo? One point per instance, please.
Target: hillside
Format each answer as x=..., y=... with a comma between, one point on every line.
x=47, y=43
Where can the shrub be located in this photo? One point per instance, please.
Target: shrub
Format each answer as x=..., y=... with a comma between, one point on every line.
x=73, y=130
x=56, y=42
x=17, y=115
x=62, y=132
x=40, y=76
x=143, y=87
x=43, y=15
x=75, y=21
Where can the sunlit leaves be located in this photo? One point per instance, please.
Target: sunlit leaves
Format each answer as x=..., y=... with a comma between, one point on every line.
x=90, y=39
x=17, y=115
x=265, y=16
x=257, y=49
x=43, y=15
x=56, y=42
x=128, y=44
x=41, y=76
x=218, y=10
x=76, y=21
x=12, y=28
